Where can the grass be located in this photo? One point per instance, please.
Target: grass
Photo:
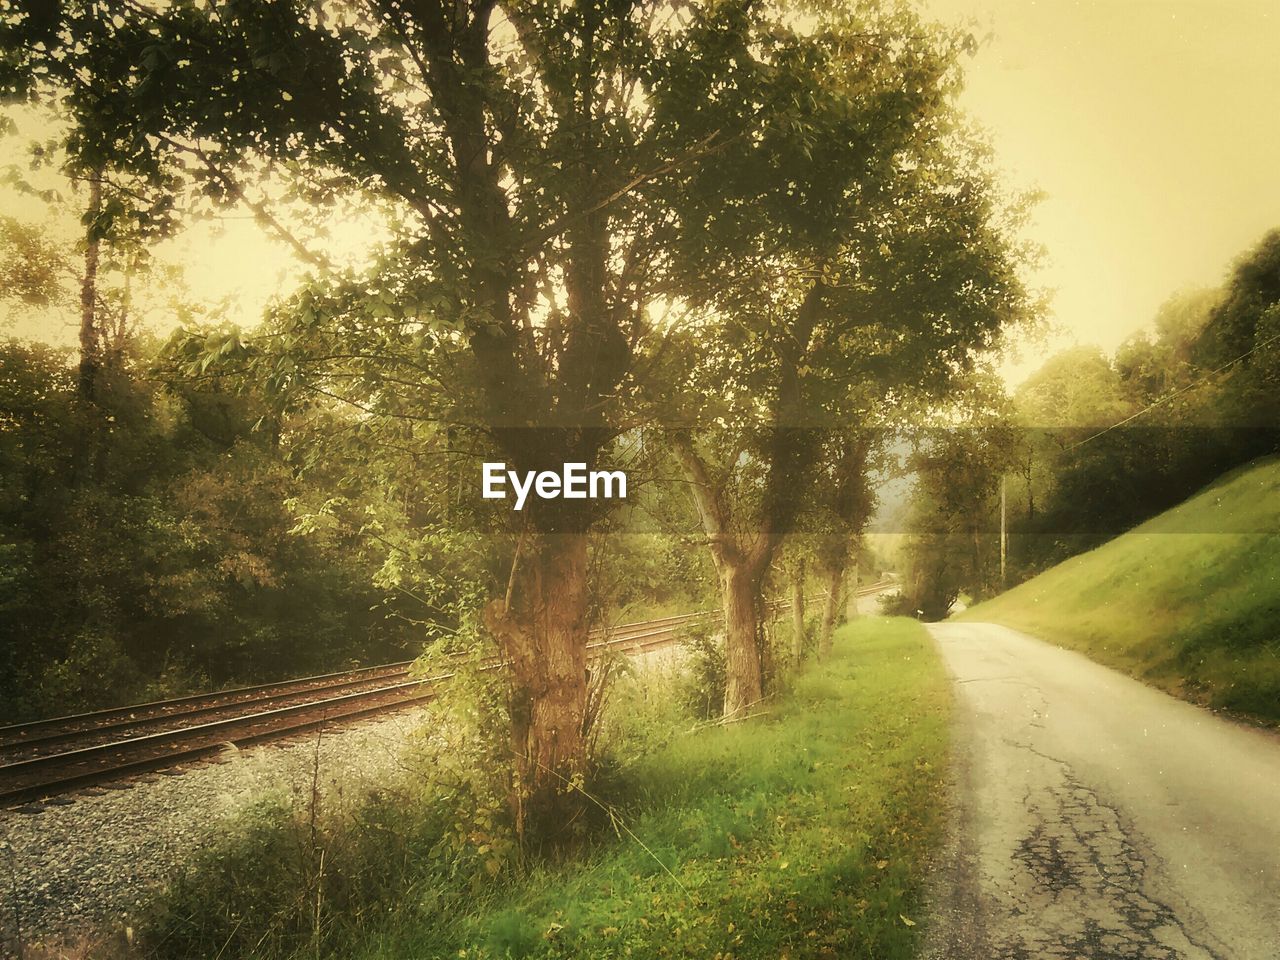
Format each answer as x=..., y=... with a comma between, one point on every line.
x=1188, y=601
x=801, y=833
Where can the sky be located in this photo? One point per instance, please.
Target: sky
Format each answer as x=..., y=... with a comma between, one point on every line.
x=1152, y=127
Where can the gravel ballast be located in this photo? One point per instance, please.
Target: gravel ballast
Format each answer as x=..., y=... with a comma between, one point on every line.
x=81, y=869
x=77, y=869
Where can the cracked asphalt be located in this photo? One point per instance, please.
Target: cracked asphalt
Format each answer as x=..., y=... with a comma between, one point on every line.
x=1098, y=819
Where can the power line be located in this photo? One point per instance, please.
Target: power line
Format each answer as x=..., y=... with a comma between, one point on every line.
x=1181, y=390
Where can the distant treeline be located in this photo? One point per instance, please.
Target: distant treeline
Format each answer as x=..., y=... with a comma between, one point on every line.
x=145, y=544
x=1090, y=445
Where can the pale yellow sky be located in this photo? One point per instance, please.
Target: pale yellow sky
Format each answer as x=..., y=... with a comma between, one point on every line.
x=1152, y=126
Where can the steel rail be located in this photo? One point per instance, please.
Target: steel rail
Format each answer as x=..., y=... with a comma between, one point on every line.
x=23, y=734
x=214, y=736
x=317, y=694
x=135, y=708
x=133, y=767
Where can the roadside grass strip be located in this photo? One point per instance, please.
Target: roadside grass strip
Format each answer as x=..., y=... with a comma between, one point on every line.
x=801, y=834
x=803, y=831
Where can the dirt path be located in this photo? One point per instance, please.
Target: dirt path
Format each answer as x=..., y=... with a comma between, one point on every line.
x=1099, y=818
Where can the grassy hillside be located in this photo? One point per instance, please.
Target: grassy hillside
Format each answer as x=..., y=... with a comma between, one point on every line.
x=1189, y=601
x=803, y=832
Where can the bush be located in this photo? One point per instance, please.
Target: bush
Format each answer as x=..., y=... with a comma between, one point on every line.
x=93, y=673
x=930, y=606
x=701, y=690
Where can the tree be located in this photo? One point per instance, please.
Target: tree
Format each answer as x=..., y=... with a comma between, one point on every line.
x=96, y=278
x=1244, y=318
x=530, y=157
x=881, y=269
x=958, y=465
x=847, y=498
x=796, y=577
x=1107, y=442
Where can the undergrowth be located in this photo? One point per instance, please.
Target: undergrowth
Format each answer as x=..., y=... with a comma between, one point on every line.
x=799, y=834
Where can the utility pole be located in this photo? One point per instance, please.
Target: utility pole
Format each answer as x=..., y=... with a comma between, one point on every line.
x=1004, y=533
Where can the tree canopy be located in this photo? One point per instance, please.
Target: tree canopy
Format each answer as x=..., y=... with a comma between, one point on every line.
x=736, y=222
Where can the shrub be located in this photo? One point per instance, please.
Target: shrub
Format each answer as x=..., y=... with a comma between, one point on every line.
x=701, y=690
x=95, y=672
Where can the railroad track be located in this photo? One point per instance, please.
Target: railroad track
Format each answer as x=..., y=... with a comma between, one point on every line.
x=45, y=758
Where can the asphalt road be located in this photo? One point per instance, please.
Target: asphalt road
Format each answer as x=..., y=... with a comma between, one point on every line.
x=1096, y=817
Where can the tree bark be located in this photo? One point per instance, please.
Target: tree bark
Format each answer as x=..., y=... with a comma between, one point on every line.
x=740, y=565
x=744, y=681
x=87, y=373
x=541, y=411
x=88, y=452
x=851, y=598
x=743, y=558
x=830, y=607
x=797, y=613
x=543, y=636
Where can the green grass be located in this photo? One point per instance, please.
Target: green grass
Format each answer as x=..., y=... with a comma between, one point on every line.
x=804, y=832
x=800, y=835
x=1193, y=611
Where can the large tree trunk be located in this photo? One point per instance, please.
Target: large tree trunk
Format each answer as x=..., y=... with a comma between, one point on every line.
x=797, y=613
x=851, y=597
x=744, y=683
x=834, y=575
x=544, y=639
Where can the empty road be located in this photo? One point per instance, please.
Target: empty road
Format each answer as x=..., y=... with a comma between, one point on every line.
x=1096, y=817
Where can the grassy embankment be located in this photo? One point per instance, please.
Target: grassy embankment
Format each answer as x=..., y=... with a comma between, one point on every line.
x=1188, y=601
x=803, y=833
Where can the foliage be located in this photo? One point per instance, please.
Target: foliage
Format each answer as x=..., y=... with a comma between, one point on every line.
x=645, y=575
x=882, y=269
x=1245, y=318
x=701, y=693
x=958, y=469
x=298, y=874
x=1099, y=444
x=1198, y=414
x=551, y=177
x=172, y=566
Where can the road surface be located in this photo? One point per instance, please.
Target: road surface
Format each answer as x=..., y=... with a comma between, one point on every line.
x=1099, y=818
